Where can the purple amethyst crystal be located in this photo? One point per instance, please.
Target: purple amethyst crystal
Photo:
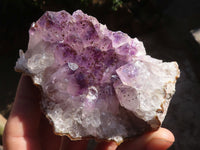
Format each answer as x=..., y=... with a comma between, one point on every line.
x=95, y=82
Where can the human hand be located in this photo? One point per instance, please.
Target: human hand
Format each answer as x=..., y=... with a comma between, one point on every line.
x=28, y=129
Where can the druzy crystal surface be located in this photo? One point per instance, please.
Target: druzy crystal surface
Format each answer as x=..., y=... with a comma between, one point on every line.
x=95, y=82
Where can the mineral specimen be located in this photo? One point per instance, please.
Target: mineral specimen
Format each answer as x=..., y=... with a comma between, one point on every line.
x=95, y=82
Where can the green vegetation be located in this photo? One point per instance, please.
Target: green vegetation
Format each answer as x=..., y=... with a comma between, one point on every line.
x=2, y=124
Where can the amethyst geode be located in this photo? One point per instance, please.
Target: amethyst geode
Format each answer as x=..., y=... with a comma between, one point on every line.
x=95, y=82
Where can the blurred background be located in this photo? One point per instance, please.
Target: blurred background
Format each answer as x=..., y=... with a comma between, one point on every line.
x=168, y=28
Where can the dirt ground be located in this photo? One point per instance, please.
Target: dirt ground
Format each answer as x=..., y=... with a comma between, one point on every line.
x=170, y=39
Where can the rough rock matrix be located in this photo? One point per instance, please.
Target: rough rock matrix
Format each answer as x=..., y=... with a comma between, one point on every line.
x=95, y=82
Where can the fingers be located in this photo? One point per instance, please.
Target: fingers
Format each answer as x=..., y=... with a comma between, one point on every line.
x=21, y=130
x=158, y=140
x=67, y=144
x=48, y=140
x=106, y=146
x=161, y=139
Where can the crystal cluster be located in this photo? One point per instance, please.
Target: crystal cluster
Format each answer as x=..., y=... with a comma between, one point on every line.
x=95, y=82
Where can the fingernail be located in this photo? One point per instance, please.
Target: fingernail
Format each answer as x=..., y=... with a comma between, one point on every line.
x=158, y=144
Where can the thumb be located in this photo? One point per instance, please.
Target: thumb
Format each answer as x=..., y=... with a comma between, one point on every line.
x=161, y=139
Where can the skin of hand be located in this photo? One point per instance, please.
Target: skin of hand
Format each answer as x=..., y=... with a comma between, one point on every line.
x=28, y=129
